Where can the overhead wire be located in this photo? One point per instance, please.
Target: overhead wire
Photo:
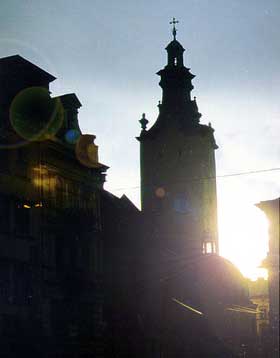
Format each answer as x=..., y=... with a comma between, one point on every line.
x=249, y=172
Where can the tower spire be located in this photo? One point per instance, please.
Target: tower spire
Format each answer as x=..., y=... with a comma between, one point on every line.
x=174, y=30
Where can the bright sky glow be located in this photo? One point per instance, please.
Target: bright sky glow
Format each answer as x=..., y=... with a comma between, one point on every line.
x=243, y=230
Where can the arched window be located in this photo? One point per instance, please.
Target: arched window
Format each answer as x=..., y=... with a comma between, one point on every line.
x=208, y=247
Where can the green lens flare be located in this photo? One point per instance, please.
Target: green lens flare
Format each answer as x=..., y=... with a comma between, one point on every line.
x=34, y=115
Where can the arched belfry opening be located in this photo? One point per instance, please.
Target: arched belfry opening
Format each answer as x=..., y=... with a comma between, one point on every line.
x=175, y=54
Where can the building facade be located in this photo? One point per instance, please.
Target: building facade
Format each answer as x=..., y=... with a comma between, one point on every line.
x=271, y=208
x=50, y=231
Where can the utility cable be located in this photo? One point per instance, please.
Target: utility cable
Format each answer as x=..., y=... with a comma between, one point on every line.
x=211, y=177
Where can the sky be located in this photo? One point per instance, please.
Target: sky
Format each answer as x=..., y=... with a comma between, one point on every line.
x=108, y=52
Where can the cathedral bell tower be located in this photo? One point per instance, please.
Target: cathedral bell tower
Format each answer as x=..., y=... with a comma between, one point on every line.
x=177, y=155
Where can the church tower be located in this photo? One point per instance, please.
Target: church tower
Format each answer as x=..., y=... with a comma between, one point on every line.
x=177, y=155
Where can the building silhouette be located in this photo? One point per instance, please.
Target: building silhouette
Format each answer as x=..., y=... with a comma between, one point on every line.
x=258, y=291
x=271, y=208
x=123, y=277
x=178, y=173
x=51, y=240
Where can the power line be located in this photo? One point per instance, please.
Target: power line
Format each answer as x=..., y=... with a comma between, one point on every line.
x=213, y=177
x=248, y=172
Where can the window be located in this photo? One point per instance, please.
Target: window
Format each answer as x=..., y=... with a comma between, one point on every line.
x=5, y=274
x=34, y=255
x=4, y=214
x=181, y=204
x=208, y=247
x=22, y=219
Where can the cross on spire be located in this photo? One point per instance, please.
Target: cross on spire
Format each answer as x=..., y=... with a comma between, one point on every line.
x=174, y=31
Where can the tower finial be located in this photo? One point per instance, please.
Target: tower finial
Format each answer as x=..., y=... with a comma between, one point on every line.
x=143, y=121
x=174, y=31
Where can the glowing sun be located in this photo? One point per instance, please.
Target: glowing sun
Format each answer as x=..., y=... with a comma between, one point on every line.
x=243, y=236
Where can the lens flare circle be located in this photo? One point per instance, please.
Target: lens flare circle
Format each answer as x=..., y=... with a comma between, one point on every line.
x=160, y=192
x=34, y=115
x=15, y=45
x=72, y=136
